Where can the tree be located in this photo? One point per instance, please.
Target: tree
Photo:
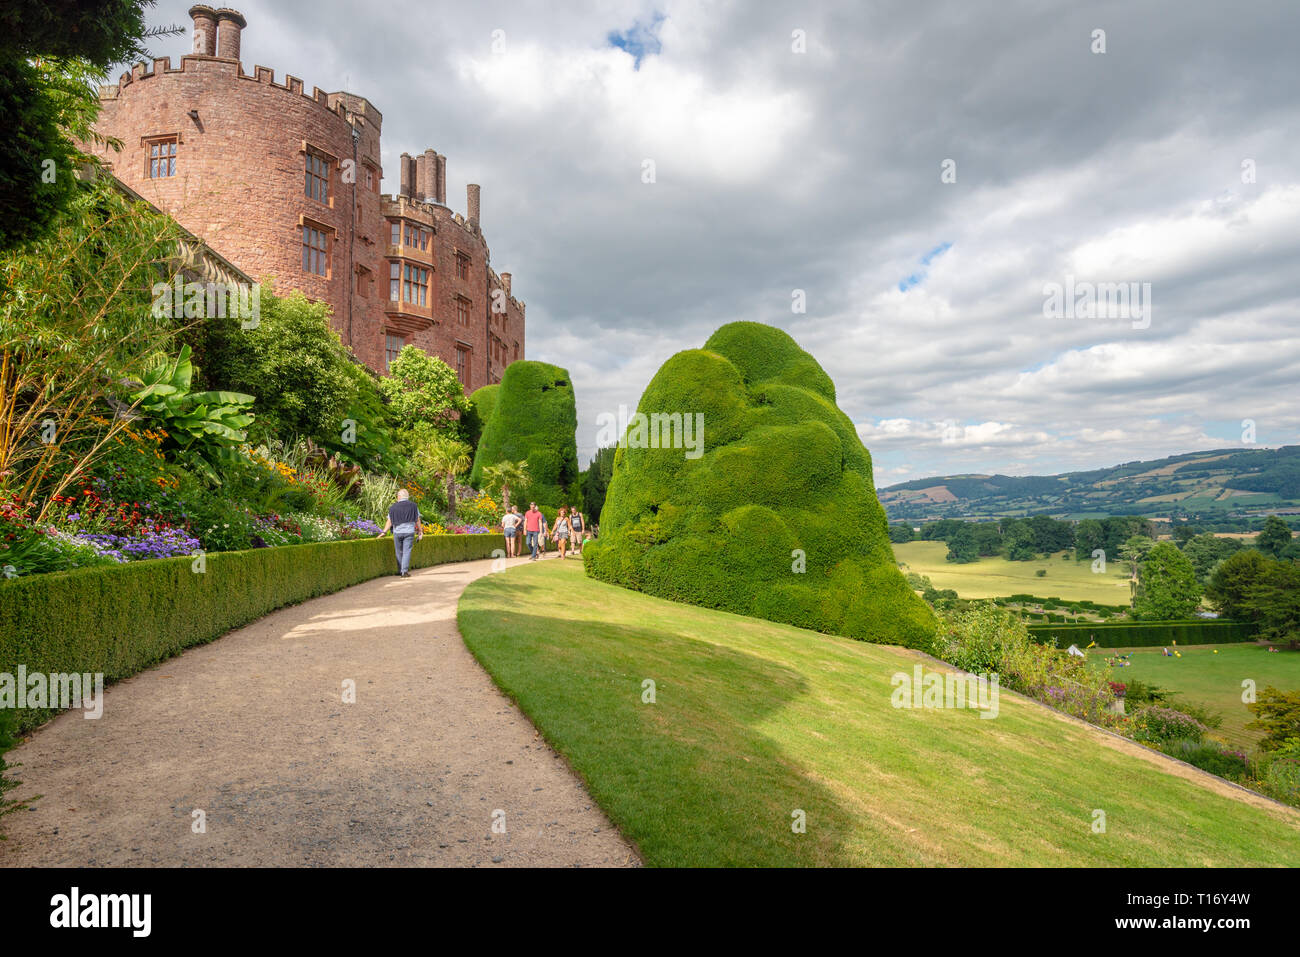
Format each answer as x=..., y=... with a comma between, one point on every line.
x=1089, y=535
x=444, y=458
x=52, y=55
x=1168, y=589
x=423, y=389
x=1274, y=599
x=292, y=361
x=1277, y=714
x=76, y=324
x=505, y=476
x=595, y=482
x=535, y=418
x=1273, y=537
x=900, y=533
x=1205, y=551
x=1231, y=583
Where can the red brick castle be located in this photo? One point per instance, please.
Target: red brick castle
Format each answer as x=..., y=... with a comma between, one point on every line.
x=286, y=185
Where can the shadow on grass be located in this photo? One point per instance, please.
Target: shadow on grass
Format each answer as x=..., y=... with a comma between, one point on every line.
x=687, y=777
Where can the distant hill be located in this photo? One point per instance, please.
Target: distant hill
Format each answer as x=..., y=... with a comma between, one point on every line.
x=1207, y=484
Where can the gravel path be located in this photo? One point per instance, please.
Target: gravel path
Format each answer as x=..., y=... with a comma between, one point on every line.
x=252, y=730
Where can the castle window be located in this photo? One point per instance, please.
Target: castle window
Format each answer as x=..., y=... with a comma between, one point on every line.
x=395, y=281
x=162, y=157
x=462, y=365
x=315, y=251
x=395, y=233
x=462, y=265
x=392, y=346
x=462, y=310
x=416, y=285
x=416, y=238
x=317, y=184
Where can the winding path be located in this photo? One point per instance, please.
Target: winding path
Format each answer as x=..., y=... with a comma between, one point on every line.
x=252, y=730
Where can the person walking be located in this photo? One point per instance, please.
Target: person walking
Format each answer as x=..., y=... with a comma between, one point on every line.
x=561, y=534
x=542, y=534
x=510, y=523
x=407, y=527
x=532, y=528
x=576, y=529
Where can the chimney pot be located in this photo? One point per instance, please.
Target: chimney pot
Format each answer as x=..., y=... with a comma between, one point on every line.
x=205, y=29
x=229, y=24
x=505, y=283
x=442, y=180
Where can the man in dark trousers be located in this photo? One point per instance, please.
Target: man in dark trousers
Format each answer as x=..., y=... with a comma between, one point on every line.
x=533, y=529
x=404, y=520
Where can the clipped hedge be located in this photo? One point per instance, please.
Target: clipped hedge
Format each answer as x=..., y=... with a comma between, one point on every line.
x=534, y=418
x=1141, y=634
x=120, y=619
x=777, y=518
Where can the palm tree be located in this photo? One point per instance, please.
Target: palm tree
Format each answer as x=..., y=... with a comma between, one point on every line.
x=445, y=458
x=505, y=476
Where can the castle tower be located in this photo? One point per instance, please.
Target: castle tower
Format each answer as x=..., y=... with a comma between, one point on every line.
x=287, y=184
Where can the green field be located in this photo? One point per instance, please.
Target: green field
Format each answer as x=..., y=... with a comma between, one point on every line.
x=998, y=577
x=754, y=721
x=1211, y=676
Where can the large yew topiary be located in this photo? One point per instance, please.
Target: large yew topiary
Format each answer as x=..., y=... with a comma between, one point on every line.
x=784, y=483
x=534, y=419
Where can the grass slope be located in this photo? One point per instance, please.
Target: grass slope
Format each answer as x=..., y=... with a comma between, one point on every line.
x=998, y=577
x=754, y=720
x=1213, y=680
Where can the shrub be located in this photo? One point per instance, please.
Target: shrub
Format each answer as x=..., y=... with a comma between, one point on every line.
x=1129, y=634
x=534, y=420
x=1277, y=714
x=1157, y=725
x=1209, y=756
x=121, y=619
x=777, y=517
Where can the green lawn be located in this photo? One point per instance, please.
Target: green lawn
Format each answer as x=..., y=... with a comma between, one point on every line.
x=1211, y=676
x=754, y=720
x=997, y=577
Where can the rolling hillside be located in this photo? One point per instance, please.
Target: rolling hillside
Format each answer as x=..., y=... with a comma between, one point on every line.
x=1206, y=484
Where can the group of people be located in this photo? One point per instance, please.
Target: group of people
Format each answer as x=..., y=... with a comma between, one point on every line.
x=570, y=531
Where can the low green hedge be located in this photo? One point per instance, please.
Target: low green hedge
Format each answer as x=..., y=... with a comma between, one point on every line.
x=120, y=619
x=1134, y=634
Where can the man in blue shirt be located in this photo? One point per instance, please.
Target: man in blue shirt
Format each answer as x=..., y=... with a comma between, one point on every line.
x=404, y=520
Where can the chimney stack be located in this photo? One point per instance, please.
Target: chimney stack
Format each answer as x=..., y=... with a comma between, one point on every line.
x=505, y=283
x=229, y=23
x=441, y=184
x=406, y=166
x=430, y=176
x=471, y=207
x=421, y=174
x=205, y=29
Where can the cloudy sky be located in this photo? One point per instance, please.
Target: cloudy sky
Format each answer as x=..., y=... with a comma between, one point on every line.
x=923, y=172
